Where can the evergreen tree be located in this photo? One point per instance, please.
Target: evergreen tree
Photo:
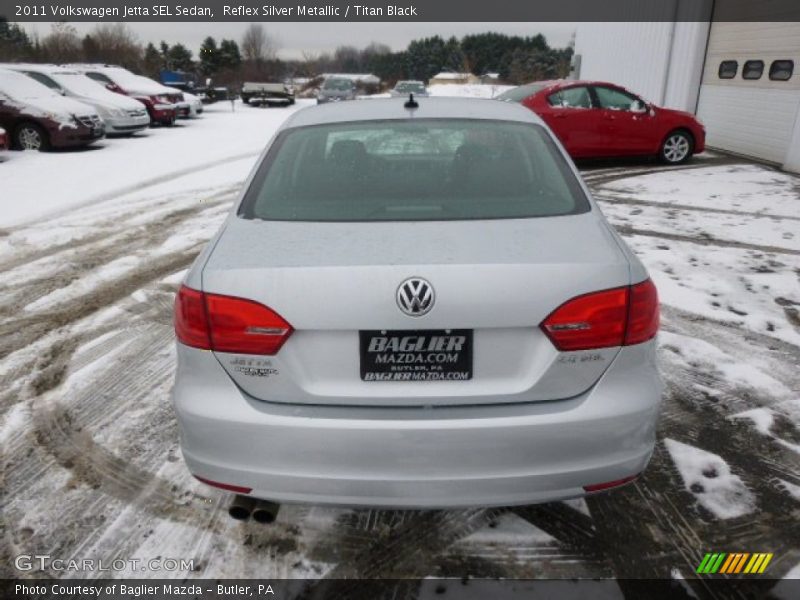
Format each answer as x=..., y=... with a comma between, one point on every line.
x=209, y=56
x=153, y=61
x=14, y=42
x=229, y=55
x=179, y=58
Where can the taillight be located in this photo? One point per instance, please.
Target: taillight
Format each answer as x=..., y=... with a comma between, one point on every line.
x=228, y=324
x=617, y=317
x=643, y=313
x=244, y=326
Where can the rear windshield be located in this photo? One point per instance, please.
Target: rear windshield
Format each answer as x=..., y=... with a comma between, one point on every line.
x=409, y=87
x=415, y=170
x=337, y=84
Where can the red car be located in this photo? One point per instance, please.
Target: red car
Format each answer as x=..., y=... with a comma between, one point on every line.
x=597, y=119
x=3, y=139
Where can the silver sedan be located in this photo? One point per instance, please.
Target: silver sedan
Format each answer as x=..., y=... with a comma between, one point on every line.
x=416, y=305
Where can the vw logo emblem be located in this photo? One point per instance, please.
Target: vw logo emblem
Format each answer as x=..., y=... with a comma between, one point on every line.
x=415, y=297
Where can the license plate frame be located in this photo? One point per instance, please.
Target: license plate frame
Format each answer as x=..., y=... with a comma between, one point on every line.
x=416, y=355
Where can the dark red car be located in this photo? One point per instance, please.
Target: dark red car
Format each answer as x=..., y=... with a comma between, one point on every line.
x=37, y=118
x=3, y=139
x=597, y=119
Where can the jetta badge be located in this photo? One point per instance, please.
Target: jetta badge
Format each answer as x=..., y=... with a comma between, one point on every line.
x=415, y=297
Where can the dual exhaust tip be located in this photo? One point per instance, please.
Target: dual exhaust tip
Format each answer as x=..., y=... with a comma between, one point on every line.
x=262, y=511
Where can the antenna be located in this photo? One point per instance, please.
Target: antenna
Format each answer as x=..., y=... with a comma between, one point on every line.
x=411, y=103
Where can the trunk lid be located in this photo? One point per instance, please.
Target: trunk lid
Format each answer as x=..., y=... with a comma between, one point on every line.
x=498, y=278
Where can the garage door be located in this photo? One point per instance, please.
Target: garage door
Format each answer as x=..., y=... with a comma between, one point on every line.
x=750, y=92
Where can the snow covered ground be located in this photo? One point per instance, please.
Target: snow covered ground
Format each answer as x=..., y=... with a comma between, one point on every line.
x=93, y=244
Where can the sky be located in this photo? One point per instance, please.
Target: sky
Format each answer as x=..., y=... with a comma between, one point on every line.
x=295, y=39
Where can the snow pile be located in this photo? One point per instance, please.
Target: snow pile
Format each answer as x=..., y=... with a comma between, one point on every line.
x=709, y=478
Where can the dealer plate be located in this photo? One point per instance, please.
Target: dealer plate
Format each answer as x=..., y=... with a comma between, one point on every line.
x=416, y=355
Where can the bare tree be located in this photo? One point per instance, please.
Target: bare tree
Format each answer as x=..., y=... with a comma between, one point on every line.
x=62, y=44
x=258, y=45
x=116, y=43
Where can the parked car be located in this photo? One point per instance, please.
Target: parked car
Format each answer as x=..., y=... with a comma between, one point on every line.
x=195, y=104
x=163, y=105
x=3, y=139
x=466, y=329
x=404, y=88
x=37, y=118
x=336, y=89
x=267, y=93
x=121, y=115
x=598, y=119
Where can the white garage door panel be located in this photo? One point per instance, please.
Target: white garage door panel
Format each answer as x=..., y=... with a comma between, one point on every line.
x=754, y=122
x=754, y=38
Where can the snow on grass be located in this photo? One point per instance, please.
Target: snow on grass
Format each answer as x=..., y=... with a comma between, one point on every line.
x=37, y=184
x=751, y=188
x=710, y=480
x=693, y=353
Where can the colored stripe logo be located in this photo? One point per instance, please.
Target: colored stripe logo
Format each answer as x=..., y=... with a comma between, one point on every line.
x=734, y=563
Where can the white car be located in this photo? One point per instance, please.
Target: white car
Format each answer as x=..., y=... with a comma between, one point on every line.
x=121, y=115
x=164, y=103
x=195, y=104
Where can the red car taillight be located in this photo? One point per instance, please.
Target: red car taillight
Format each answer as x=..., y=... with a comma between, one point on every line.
x=228, y=324
x=617, y=317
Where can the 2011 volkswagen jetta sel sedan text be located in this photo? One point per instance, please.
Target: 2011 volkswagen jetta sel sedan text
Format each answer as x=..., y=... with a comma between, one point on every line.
x=416, y=305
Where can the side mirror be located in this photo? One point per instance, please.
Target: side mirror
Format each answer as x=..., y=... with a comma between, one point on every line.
x=637, y=106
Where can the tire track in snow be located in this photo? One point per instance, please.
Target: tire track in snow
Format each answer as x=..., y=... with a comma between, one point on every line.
x=626, y=200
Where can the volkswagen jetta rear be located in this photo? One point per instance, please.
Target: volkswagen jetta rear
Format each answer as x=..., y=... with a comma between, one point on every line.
x=416, y=306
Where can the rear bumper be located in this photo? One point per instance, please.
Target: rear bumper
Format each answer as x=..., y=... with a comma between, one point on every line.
x=418, y=457
x=162, y=113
